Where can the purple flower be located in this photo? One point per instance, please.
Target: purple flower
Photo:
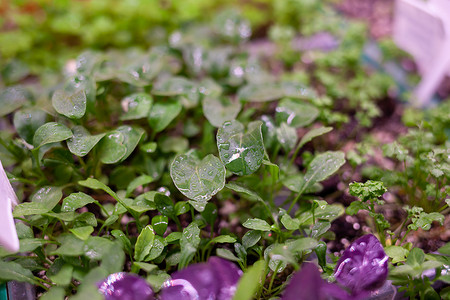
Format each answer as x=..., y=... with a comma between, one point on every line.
x=216, y=279
x=364, y=265
x=307, y=284
x=125, y=286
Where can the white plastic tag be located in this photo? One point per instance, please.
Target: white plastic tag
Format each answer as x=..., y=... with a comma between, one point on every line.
x=8, y=199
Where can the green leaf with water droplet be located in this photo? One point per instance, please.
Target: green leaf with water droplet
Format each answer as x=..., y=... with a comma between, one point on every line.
x=132, y=136
x=71, y=105
x=117, y=145
x=219, y=110
x=164, y=205
x=51, y=132
x=82, y=141
x=163, y=113
x=27, y=121
x=160, y=224
x=289, y=223
x=251, y=238
x=75, y=201
x=287, y=136
x=111, y=147
x=198, y=180
x=323, y=166
x=144, y=243
x=44, y=200
x=189, y=242
x=295, y=113
x=257, y=224
x=241, y=152
x=136, y=106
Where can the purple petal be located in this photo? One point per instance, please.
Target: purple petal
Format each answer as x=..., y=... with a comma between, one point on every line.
x=363, y=266
x=307, y=284
x=228, y=274
x=216, y=279
x=125, y=286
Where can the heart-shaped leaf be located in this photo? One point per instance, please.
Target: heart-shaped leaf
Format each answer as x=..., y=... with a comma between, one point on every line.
x=132, y=136
x=198, y=180
x=112, y=148
x=136, y=106
x=117, y=145
x=241, y=152
x=162, y=113
x=51, y=132
x=27, y=121
x=82, y=141
x=219, y=110
x=295, y=113
x=71, y=105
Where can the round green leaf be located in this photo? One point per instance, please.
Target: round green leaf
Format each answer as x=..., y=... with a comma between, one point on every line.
x=11, y=99
x=219, y=110
x=132, y=136
x=82, y=141
x=198, y=180
x=241, y=152
x=112, y=148
x=71, y=105
x=136, y=106
x=295, y=113
x=162, y=113
x=27, y=121
x=51, y=132
x=117, y=145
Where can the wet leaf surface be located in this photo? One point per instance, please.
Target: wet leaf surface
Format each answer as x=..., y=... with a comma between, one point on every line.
x=219, y=110
x=51, y=132
x=82, y=141
x=198, y=180
x=71, y=105
x=241, y=152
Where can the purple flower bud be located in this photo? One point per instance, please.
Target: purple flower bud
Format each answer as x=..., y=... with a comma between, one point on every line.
x=216, y=279
x=123, y=286
x=363, y=266
x=307, y=284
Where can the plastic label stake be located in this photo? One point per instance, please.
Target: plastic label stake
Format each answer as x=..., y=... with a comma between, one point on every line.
x=8, y=199
x=422, y=28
